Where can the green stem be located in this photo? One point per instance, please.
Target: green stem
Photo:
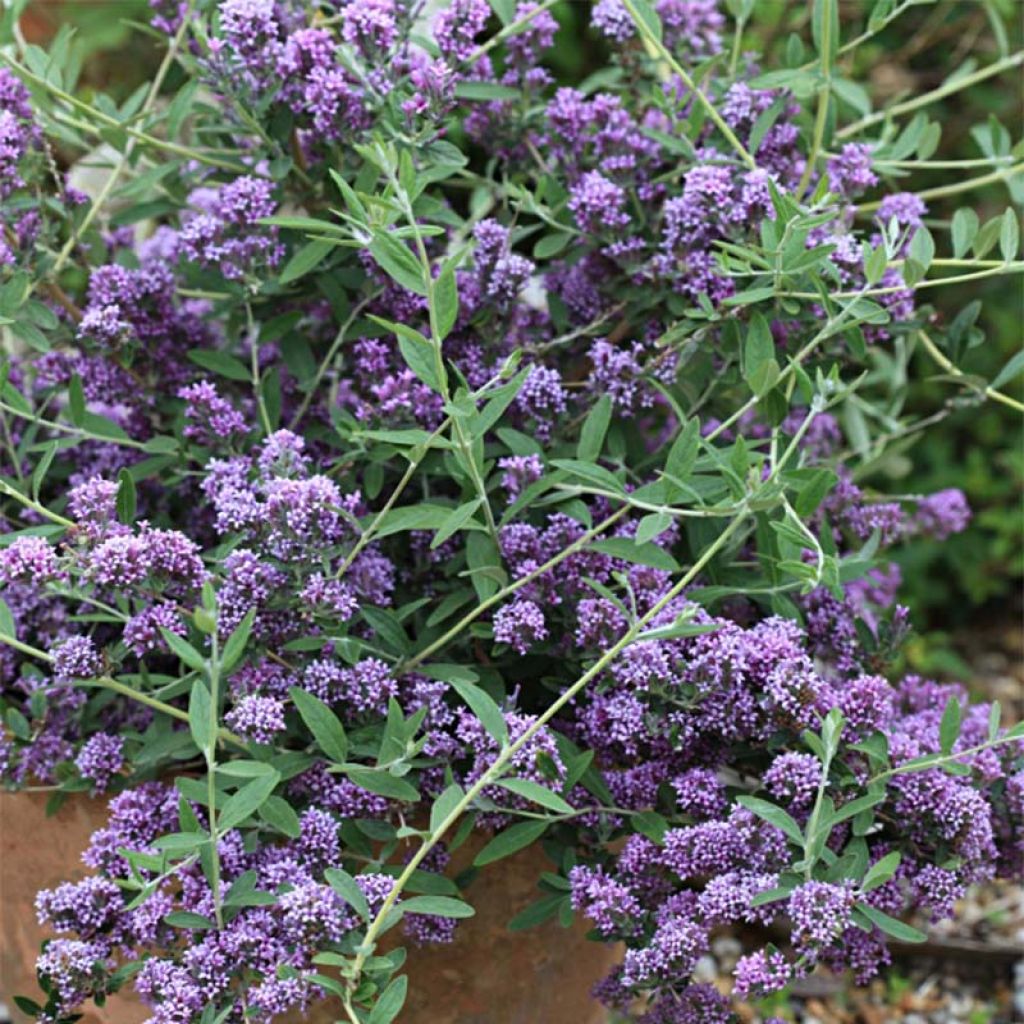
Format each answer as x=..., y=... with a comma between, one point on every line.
x=997, y=396
x=665, y=54
x=941, y=165
x=904, y=769
x=498, y=766
x=831, y=326
x=948, y=89
x=417, y=455
x=511, y=29
x=332, y=352
x=213, y=669
x=42, y=510
x=254, y=370
x=112, y=122
x=821, y=117
x=465, y=445
x=956, y=188
x=1016, y=267
x=115, y=686
x=118, y=170
x=125, y=442
x=581, y=542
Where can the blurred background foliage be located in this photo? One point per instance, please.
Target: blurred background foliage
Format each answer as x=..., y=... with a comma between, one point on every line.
x=972, y=578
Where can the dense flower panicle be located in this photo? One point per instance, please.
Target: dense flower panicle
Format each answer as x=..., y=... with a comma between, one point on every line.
x=820, y=912
x=521, y=625
x=226, y=233
x=457, y=26
x=76, y=658
x=257, y=718
x=616, y=255
x=849, y=173
x=944, y=513
x=100, y=759
x=209, y=418
x=29, y=560
x=598, y=204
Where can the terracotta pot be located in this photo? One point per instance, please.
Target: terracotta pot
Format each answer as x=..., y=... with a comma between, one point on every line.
x=489, y=975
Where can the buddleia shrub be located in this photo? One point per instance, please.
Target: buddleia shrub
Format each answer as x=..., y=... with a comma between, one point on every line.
x=403, y=449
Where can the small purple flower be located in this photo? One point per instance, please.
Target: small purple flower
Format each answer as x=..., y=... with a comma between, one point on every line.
x=598, y=204
x=76, y=658
x=29, y=560
x=820, y=912
x=257, y=718
x=762, y=972
x=101, y=759
x=521, y=625
x=849, y=173
x=944, y=513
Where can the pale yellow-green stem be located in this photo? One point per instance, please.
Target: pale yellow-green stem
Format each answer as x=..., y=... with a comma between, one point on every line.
x=947, y=89
x=954, y=371
x=967, y=185
x=666, y=55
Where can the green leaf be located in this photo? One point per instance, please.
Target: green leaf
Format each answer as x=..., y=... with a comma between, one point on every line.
x=964, y=229
x=1009, y=235
x=647, y=16
x=76, y=400
x=280, y=815
x=682, y=456
x=7, y=620
x=855, y=807
x=322, y=722
x=126, y=501
x=593, y=474
x=188, y=919
x=220, y=363
x=639, y=554
x=773, y=815
x=922, y=248
x=486, y=91
x=760, y=370
x=890, y=925
x=537, y=913
x=395, y=259
x=445, y=804
x=650, y=824
x=880, y=872
x=249, y=799
x=419, y=355
x=305, y=259
x=595, y=426
x=345, y=886
x=513, y=839
x=875, y=262
x=42, y=468
x=414, y=517
x=235, y=647
x=383, y=784
x=446, y=300
x=183, y=649
x=457, y=519
x=437, y=906
x=551, y=245
x=390, y=1003
x=652, y=526
x=1009, y=371
x=813, y=492
x=483, y=706
x=536, y=793
x=949, y=727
